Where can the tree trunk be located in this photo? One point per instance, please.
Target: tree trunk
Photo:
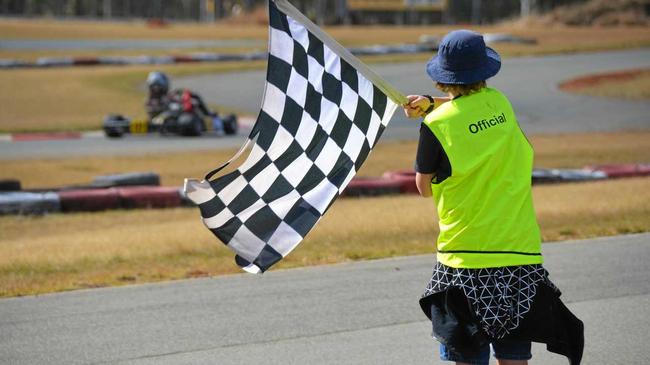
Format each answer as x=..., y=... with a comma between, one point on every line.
x=320, y=12
x=107, y=11
x=476, y=11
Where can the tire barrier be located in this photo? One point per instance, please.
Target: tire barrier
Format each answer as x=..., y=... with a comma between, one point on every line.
x=29, y=203
x=406, y=179
x=91, y=200
x=9, y=185
x=625, y=170
x=372, y=187
x=196, y=57
x=8, y=63
x=130, y=179
x=54, y=62
x=149, y=197
x=507, y=38
x=548, y=176
x=115, y=191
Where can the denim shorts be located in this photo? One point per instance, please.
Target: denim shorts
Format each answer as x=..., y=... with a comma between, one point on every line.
x=503, y=349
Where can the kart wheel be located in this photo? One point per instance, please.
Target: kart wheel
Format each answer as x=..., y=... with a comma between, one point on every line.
x=194, y=129
x=167, y=127
x=230, y=125
x=113, y=132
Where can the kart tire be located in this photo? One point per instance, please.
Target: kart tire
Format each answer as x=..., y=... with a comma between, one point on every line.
x=115, y=125
x=29, y=203
x=230, y=124
x=10, y=185
x=167, y=127
x=89, y=200
x=114, y=133
x=149, y=197
x=623, y=170
x=195, y=129
x=372, y=187
x=406, y=178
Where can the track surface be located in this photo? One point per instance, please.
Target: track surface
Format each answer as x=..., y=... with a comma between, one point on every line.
x=356, y=313
x=530, y=82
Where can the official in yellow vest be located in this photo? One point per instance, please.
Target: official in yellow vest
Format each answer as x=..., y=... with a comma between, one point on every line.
x=488, y=285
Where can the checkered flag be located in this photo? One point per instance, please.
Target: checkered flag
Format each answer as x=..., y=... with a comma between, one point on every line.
x=322, y=113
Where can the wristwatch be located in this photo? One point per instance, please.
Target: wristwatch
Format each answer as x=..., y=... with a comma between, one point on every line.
x=431, y=104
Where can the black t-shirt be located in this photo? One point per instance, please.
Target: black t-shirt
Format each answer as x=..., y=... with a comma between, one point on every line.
x=431, y=157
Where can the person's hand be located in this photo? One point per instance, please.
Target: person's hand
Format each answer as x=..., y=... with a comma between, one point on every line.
x=416, y=106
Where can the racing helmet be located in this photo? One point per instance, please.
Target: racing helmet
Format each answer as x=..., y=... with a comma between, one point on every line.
x=158, y=83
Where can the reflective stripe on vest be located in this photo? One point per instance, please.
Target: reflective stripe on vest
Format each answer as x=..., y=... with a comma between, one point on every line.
x=485, y=207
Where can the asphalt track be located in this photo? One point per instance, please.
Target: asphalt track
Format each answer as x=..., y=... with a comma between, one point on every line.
x=353, y=313
x=530, y=82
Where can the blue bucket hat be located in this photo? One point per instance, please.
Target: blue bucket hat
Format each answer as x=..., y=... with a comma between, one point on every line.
x=463, y=58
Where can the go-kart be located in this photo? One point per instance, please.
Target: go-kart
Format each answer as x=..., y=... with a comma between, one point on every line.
x=174, y=120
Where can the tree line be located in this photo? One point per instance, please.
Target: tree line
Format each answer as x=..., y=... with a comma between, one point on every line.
x=324, y=11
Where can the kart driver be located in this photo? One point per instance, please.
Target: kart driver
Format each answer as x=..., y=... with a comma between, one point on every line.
x=159, y=98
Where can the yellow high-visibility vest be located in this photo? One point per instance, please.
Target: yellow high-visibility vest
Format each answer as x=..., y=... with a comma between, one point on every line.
x=485, y=207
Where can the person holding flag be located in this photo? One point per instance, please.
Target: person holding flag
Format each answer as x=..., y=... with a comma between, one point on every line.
x=488, y=285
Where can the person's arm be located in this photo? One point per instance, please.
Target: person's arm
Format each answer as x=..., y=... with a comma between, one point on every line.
x=423, y=183
x=421, y=105
x=427, y=160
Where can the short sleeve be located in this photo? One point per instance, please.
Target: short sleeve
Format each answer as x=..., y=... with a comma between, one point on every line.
x=427, y=158
x=431, y=158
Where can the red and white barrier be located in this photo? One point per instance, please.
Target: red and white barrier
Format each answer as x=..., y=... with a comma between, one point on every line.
x=149, y=197
x=372, y=187
x=89, y=200
x=623, y=170
x=116, y=191
x=406, y=179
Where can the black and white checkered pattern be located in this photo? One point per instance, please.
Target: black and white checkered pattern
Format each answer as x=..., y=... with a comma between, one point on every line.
x=320, y=119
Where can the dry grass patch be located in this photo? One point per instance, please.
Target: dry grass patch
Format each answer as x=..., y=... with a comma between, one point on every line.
x=64, y=252
x=578, y=150
x=569, y=151
x=592, y=209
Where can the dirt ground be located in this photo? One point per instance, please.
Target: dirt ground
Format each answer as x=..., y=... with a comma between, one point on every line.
x=628, y=84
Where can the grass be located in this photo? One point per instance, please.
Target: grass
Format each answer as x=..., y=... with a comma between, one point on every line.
x=632, y=85
x=78, y=98
x=64, y=252
x=569, y=150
